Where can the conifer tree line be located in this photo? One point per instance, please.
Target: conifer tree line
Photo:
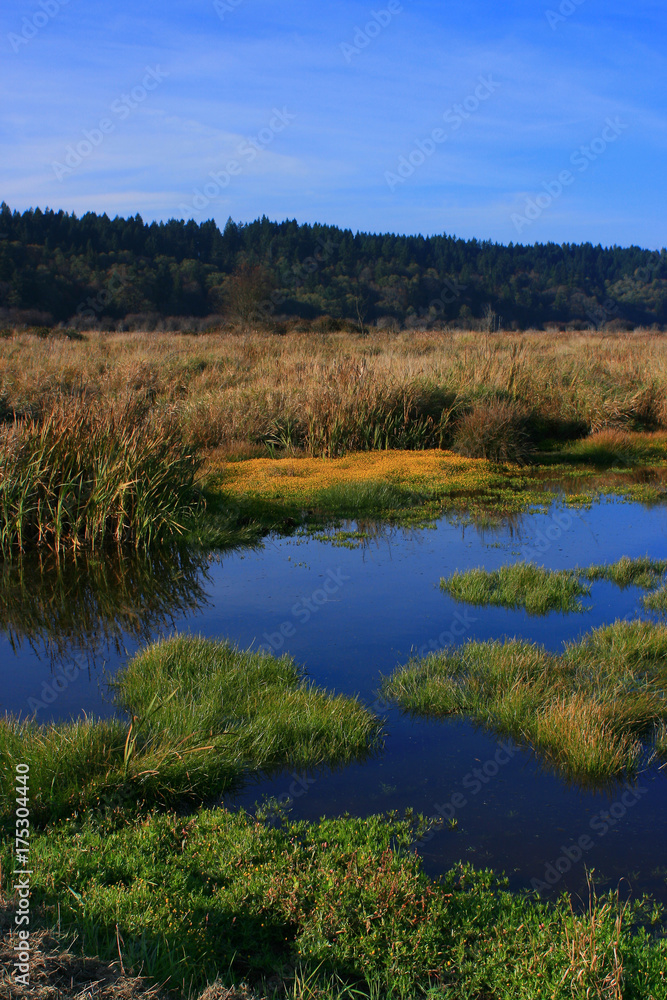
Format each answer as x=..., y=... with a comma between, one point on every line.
x=93, y=271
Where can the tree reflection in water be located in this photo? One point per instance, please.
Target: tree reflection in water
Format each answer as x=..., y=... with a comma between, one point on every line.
x=92, y=602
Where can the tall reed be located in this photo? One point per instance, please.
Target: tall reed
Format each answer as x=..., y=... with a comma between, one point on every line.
x=89, y=475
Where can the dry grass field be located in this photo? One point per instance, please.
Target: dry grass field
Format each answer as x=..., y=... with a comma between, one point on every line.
x=102, y=433
x=241, y=392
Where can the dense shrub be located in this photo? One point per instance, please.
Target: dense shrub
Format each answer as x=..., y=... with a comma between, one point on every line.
x=495, y=430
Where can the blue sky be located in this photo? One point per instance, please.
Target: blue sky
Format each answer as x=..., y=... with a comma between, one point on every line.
x=307, y=111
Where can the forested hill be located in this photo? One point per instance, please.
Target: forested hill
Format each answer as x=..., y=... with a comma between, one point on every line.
x=57, y=268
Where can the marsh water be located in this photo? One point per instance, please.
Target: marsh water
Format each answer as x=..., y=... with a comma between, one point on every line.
x=349, y=616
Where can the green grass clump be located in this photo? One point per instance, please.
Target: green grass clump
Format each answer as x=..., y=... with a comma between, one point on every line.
x=367, y=498
x=521, y=585
x=91, y=474
x=188, y=899
x=643, y=572
x=203, y=716
x=540, y=590
x=261, y=704
x=616, y=448
x=592, y=712
x=656, y=601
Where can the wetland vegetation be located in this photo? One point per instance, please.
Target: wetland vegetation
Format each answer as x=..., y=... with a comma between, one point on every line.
x=657, y=601
x=200, y=717
x=645, y=573
x=540, y=590
x=119, y=443
x=597, y=712
x=218, y=438
x=241, y=392
x=335, y=909
x=81, y=475
x=534, y=588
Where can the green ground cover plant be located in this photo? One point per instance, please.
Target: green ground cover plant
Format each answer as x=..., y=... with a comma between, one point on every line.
x=644, y=572
x=190, y=898
x=594, y=713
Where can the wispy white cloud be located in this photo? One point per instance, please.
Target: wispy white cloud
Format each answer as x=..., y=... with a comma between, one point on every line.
x=352, y=121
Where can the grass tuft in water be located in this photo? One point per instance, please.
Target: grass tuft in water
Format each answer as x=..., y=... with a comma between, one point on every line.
x=521, y=585
x=644, y=572
x=593, y=712
x=203, y=716
x=656, y=601
x=539, y=590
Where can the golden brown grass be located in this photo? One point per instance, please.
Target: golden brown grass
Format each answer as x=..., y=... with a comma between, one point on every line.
x=576, y=727
x=56, y=973
x=336, y=392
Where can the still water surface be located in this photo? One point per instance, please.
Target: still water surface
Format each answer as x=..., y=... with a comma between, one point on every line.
x=349, y=616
